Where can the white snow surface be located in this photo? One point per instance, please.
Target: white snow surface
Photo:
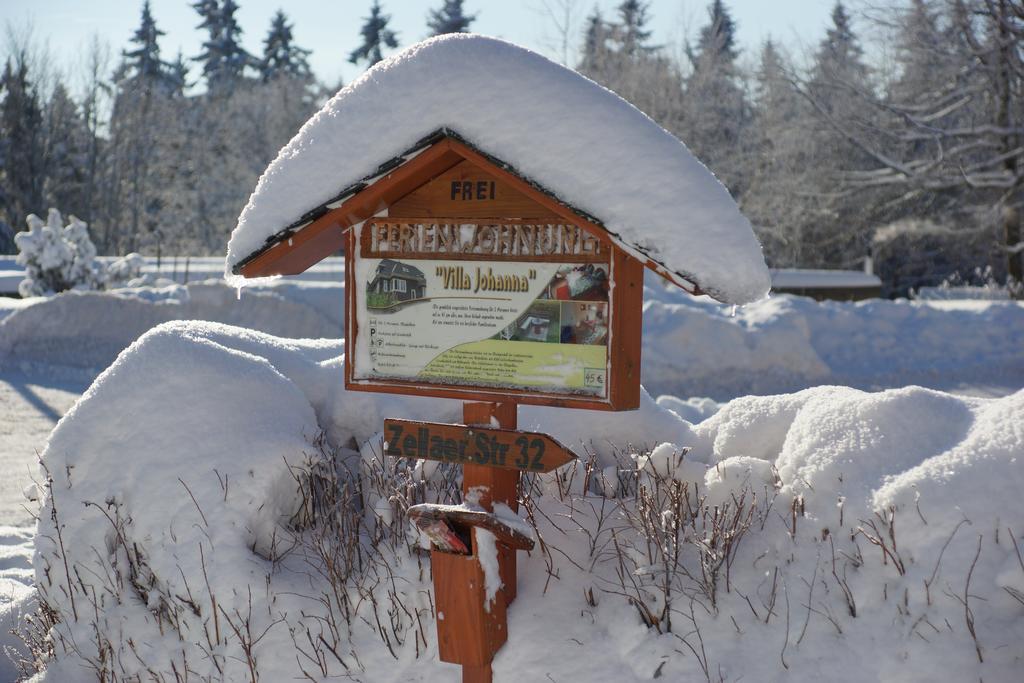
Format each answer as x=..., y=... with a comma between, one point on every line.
x=17, y=599
x=583, y=143
x=88, y=329
x=192, y=440
x=691, y=346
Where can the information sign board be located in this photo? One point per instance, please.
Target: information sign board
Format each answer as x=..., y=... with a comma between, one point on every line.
x=484, y=323
x=456, y=302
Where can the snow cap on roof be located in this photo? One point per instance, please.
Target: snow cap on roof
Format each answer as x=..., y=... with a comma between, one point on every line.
x=578, y=141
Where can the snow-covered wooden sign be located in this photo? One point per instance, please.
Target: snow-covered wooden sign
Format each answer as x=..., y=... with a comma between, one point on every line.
x=496, y=226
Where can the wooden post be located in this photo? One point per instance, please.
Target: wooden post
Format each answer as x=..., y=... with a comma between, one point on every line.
x=469, y=632
x=494, y=485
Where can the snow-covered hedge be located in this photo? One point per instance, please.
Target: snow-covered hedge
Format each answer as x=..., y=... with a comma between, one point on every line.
x=208, y=512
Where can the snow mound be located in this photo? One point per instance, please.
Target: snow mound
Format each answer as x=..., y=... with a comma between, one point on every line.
x=831, y=534
x=17, y=599
x=559, y=130
x=786, y=343
x=691, y=346
x=154, y=426
x=89, y=329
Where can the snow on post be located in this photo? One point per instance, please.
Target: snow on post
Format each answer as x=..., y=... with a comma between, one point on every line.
x=580, y=143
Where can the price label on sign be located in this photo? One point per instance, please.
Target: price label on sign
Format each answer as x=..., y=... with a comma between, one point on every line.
x=594, y=377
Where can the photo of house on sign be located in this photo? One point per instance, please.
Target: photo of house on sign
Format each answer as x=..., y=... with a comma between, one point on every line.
x=394, y=283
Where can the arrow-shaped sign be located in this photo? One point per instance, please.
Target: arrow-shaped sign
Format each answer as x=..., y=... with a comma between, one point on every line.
x=504, y=448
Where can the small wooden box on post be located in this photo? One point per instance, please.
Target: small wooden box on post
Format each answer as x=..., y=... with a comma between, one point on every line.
x=466, y=281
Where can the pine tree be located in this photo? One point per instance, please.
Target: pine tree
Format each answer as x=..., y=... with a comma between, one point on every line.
x=376, y=34
x=236, y=59
x=178, y=75
x=449, y=19
x=66, y=153
x=21, y=142
x=631, y=32
x=211, y=57
x=776, y=199
x=930, y=59
x=223, y=58
x=618, y=56
x=718, y=38
x=839, y=89
x=922, y=53
x=716, y=113
x=595, y=44
x=281, y=57
x=840, y=56
x=143, y=64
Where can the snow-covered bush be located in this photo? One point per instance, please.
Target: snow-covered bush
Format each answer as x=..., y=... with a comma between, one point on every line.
x=125, y=271
x=241, y=536
x=60, y=257
x=54, y=261
x=980, y=285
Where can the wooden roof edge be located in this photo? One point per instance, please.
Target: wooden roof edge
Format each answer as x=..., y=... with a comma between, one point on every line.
x=346, y=192
x=553, y=201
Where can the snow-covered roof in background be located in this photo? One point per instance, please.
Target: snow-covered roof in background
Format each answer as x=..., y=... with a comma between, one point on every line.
x=558, y=130
x=787, y=278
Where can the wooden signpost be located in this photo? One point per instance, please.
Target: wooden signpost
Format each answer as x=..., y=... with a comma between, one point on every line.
x=470, y=631
x=464, y=280
x=464, y=445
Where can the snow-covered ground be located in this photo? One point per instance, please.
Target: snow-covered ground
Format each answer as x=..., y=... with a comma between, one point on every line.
x=225, y=409
x=692, y=347
x=831, y=534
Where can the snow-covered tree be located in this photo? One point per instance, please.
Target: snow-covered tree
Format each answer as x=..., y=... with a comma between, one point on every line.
x=595, y=44
x=777, y=198
x=210, y=58
x=618, y=56
x=838, y=88
x=450, y=18
x=839, y=61
x=716, y=114
x=376, y=35
x=56, y=257
x=281, y=56
x=60, y=257
x=960, y=129
x=141, y=115
x=65, y=153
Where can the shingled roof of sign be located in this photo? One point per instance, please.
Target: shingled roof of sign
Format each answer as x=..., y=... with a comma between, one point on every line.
x=568, y=137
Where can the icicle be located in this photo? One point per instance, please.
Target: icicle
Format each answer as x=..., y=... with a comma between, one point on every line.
x=732, y=313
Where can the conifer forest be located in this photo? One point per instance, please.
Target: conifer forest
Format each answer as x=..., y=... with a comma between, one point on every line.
x=897, y=135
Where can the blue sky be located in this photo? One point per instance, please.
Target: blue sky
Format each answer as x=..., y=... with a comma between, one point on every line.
x=331, y=28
